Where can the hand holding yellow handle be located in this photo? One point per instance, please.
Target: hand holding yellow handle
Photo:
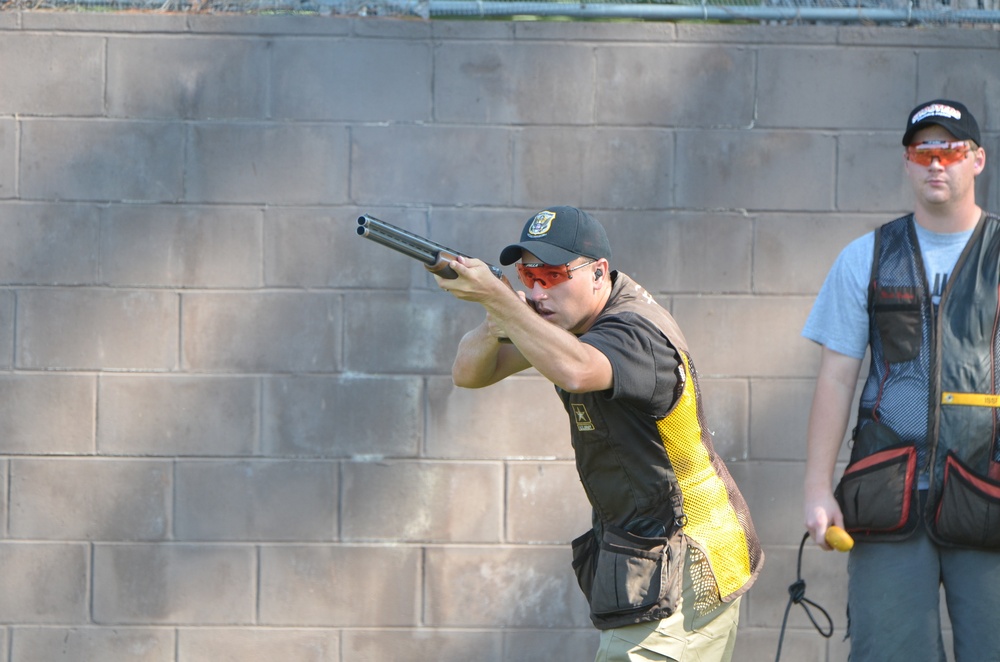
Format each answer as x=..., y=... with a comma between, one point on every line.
x=839, y=539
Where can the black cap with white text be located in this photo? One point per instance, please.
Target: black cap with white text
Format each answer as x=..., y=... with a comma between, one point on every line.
x=950, y=115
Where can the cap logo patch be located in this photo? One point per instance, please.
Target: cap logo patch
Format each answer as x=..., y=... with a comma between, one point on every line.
x=541, y=223
x=937, y=110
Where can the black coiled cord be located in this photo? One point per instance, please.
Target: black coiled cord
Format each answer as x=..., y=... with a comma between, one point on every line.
x=797, y=595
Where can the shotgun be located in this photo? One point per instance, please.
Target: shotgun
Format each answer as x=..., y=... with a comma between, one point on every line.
x=434, y=256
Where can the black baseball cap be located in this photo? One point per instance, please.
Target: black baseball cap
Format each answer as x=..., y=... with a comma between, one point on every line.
x=951, y=115
x=558, y=235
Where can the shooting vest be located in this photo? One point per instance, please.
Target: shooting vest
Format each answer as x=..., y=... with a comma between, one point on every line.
x=657, y=487
x=930, y=405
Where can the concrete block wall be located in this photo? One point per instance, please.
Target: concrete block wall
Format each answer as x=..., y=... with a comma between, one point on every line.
x=227, y=426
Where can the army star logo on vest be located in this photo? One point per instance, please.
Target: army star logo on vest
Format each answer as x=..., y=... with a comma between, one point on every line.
x=541, y=224
x=582, y=418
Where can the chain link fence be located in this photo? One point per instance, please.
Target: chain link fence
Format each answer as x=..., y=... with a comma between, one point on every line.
x=963, y=13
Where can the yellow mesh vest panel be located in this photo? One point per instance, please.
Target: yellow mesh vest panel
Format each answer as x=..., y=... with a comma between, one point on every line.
x=712, y=521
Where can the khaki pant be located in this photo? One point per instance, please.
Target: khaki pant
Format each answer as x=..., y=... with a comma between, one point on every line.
x=667, y=640
x=688, y=635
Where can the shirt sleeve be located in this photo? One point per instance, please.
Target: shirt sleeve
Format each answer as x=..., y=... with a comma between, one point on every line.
x=839, y=316
x=643, y=361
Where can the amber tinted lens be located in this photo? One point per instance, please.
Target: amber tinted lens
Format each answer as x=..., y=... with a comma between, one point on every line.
x=545, y=275
x=946, y=153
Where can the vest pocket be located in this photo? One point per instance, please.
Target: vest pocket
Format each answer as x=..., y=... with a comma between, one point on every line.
x=876, y=492
x=585, y=561
x=968, y=513
x=635, y=573
x=900, y=327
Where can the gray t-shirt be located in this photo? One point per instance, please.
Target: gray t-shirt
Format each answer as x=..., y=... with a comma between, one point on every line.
x=839, y=317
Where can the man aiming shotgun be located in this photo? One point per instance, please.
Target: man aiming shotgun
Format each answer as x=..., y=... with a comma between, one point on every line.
x=672, y=548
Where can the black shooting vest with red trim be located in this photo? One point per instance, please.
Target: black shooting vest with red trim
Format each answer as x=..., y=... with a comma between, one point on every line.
x=930, y=403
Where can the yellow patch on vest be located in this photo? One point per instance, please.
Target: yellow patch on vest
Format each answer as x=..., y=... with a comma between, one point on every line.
x=712, y=521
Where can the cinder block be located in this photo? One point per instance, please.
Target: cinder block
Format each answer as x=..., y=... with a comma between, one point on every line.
x=987, y=194
x=594, y=167
x=862, y=34
x=641, y=32
x=8, y=158
x=43, y=583
x=197, y=77
x=393, y=29
x=261, y=332
x=553, y=644
x=256, y=500
x=482, y=233
x=757, y=33
x=640, y=86
x=773, y=492
x=425, y=645
x=520, y=417
x=155, y=246
x=333, y=79
x=799, y=645
x=71, y=81
x=755, y=170
x=793, y=253
x=313, y=247
x=7, y=322
x=29, y=424
x=971, y=83
x=344, y=416
x=266, y=24
x=527, y=587
x=88, y=329
x=444, y=164
x=780, y=417
x=422, y=501
x=101, y=160
x=89, y=644
x=258, y=645
x=126, y=21
x=415, y=332
x=319, y=586
x=3, y=502
x=88, y=499
x=174, y=584
x=501, y=82
x=747, y=336
x=859, y=155
x=267, y=163
x=673, y=252
x=49, y=244
x=727, y=412
x=806, y=87
x=545, y=503
x=177, y=415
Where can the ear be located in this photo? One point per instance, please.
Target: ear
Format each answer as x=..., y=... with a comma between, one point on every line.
x=600, y=273
x=980, y=162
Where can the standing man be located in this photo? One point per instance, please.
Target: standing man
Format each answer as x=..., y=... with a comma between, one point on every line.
x=672, y=547
x=921, y=493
